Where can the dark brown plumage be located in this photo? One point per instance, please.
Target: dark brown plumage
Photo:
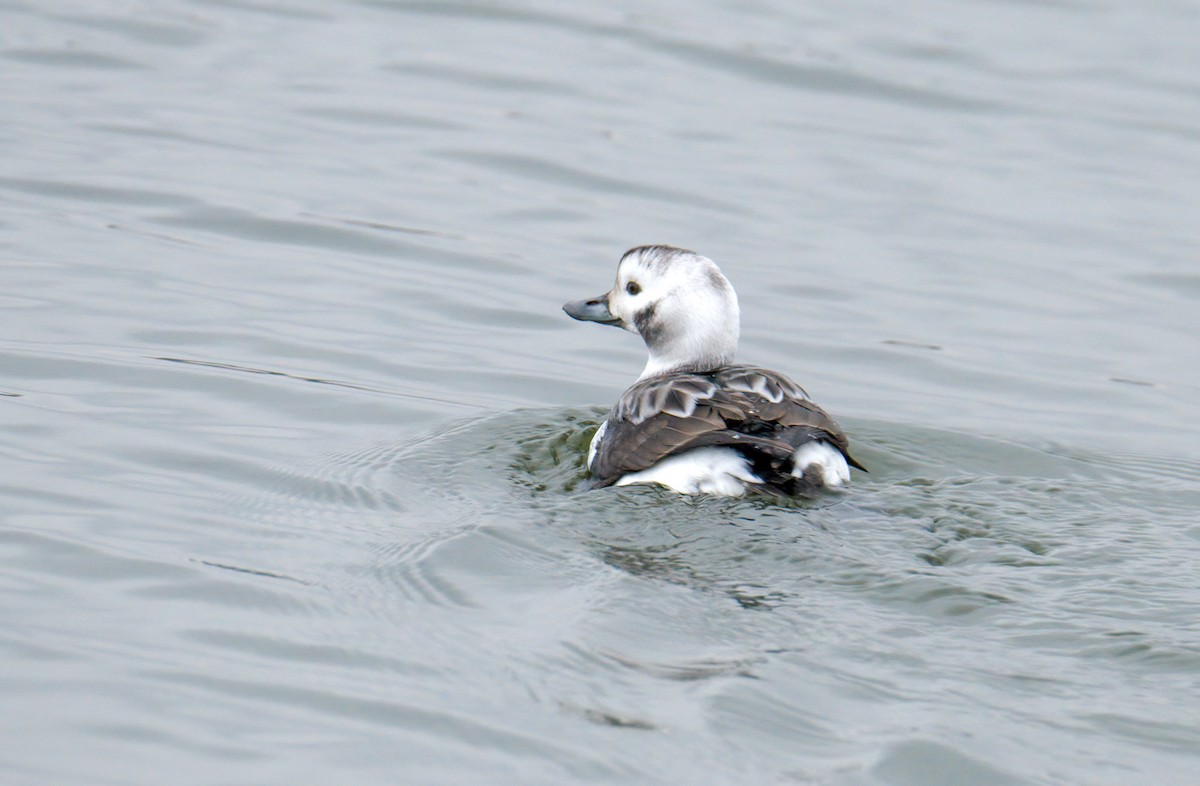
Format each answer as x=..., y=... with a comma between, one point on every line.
x=758, y=412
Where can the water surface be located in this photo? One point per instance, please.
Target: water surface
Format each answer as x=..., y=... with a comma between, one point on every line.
x=293, y=427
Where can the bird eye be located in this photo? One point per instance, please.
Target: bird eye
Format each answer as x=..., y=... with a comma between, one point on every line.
x=632, y=288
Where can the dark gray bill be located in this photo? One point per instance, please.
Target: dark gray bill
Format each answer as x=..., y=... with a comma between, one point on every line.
x=592, y=310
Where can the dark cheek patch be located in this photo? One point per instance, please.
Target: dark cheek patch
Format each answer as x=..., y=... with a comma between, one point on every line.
x=644, y=322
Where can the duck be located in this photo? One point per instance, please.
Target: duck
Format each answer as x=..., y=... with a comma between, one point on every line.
x=695, y=421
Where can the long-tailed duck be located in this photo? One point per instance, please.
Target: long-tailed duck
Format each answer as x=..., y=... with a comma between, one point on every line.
x=693, y=421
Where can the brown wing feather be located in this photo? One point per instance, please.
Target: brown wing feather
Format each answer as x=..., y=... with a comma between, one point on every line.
x=758, y=411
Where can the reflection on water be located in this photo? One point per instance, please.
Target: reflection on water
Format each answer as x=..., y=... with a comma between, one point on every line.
x=292, y=476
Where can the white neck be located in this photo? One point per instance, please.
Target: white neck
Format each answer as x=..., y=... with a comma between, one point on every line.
x=693, y=352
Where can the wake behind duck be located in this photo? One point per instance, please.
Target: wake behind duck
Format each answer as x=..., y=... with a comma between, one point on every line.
x=693, y=421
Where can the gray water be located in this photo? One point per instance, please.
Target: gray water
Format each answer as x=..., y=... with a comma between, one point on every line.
x=292, y=427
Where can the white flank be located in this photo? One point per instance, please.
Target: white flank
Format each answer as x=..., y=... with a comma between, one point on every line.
x=592, y=448
x=700, y=471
